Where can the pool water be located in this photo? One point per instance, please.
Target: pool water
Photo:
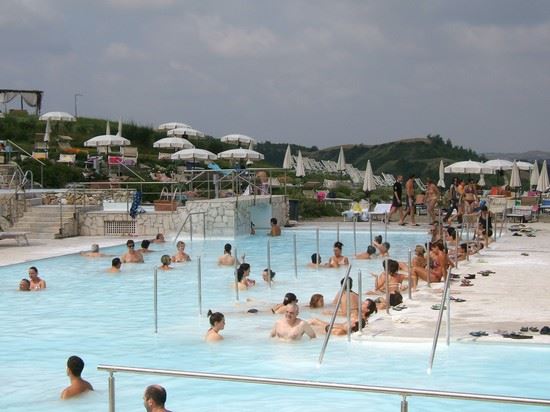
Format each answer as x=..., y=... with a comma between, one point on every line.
x=108, y=319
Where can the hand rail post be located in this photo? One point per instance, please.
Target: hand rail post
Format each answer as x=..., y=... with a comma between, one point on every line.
x=111, y=382
x=359, y=307
x=355, y=237
x=370, y=229
x=191, y=228
x=404, y=404
x=386, y=226
x=318, y=252
x=199, y=280
x=155, y=298
x=60, y=217
x=204, y=225
x=410, y=273
x=348, y=309
x=269, y=262
x=387, y=277
x=295, y=257
x=236, y=276
x=428, y=258
x=337, y=232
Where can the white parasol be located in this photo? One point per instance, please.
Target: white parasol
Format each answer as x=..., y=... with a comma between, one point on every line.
x=48, y=131
x=542, y=184
x=341, y=164
x=240, y=154
x=172, y=125
x=441, y=181
x=534, y=178
x=515, y=181
x=524, y=165
x=469, y=167
x=185, y=132
x=300, y=170
x=481, y=181
x=173, y=142
x=194, y=155
x=287, y=162
x=499, y=164
x=58, y=117
x=238, y=139
x=119, y=131
x=369, y=184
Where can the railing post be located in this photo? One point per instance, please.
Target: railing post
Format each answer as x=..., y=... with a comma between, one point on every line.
x=410, y=273
x=204, y=225
x=359, y=307
x=60, y=217
x=318, y=255
x=337, y=232
x=355, y=237
x=155, y=298
x=386, y=226
x=236, y=275
x=387, y=276
x=404, y=404
x=269, y=262
x=191, y=227
x=370, y=229
x=348, y=309
x=111, y=382
x=295, y=257
x=199, y=280
x=428, y=269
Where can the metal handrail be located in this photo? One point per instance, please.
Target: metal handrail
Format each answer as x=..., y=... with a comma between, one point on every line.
x=131, y=171
x=387, y=390
x=27, y=153
x=191, y=232
x=331, y=324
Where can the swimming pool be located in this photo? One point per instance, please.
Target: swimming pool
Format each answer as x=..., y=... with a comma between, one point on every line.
x=108, y=319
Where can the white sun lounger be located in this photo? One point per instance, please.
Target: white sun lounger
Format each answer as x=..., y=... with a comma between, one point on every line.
x=380, y=211
x=18, y=236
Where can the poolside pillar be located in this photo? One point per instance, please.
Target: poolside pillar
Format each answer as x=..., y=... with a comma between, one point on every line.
x=155, y=298
x=111, y=382
x=318, y=255
x=410, y=274
x=456, y=251
x=236, y=276
x=387, y=276
x=467, y=240
x=359, y=307
x=295, y=257
x=190, y=227
x=404, y=404
x=269, y=262
x=199, y=281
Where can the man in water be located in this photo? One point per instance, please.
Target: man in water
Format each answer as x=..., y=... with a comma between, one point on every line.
x=145, y=247
x=226, y=259
x=154, y=399
x=275, y=228
x=115, y=266
x=25, y=285
x=93, y=253
x=36, y=282
x=75, y=365
x=291, y=327
x=132, y=255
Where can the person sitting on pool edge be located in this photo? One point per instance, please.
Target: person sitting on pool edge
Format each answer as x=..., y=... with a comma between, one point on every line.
x=165, y=260
x=275, y=228
x=132, y=255
x=75, y=365
x=217, y=323
x=154, y=399
x=338, y=259
x=395, y=278
x=25, y=285
x=369, y=254
x=116, y=263
x=180, y=255
x=291, y=327
x=36, y=282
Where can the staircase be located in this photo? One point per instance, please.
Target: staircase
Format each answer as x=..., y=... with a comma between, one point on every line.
x=6, y=174
x=44, y=222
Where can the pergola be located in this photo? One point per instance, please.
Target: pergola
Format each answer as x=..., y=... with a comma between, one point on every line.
x=32, y=98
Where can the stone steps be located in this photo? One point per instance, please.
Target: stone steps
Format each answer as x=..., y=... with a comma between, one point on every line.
x=43, y=222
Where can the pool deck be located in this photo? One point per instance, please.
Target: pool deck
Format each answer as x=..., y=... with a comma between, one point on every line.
x=515, y=295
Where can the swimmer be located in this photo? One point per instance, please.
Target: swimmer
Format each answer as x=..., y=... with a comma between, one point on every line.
x=275, y=228
x=369, y=254
x=217, y=323
x=317, y=301
x=159, y=238
x=280, y=308
x=145, y=246
x=338, y=259
x=265, y=277
x=242, y=277
x=115, y=266
x=25, y=285
x=36, y=282
x=165, y=260
x=291, y=327
x=75, y=365
x=154, y=399
x=382, y=247
x=180, y=255
x=132, y=255
x=226, y=259
x=354, y=298
x=93, y=252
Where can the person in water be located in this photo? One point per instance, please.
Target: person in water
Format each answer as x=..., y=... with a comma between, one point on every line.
x=37, y=283
x=78, y=386
x=165, y=261
x=116, y=264
x=132, y=255
x=291, y=327
x=217, y=324
x=180, y=255
x=338, y=259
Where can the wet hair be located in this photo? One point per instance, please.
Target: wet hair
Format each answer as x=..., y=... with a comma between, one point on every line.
x=130, y=242
x=215, y=317
x=371, y=250
x=378, y=239
x=27, y=282
x=271, y=273
x=355, y=325
x=75, y=365
x=464, y=246
x=439, y=244
x=393, y=266
x=451, y=231
x=145, y=243
x=419, y=250
x=34, y=268
x=315, y=258
x=240, y=271
x=484, y=208
x=116, y=262
x=349, y=282
x=165, y=259
x=386, y=245
x=290, y=298
x=371, y=307
x=273, y=221
x=227, y=248
x=95, y=248
x=156, y=393
x=315, y=301
x=181, y=242
x=338, y=245
x=159, y=236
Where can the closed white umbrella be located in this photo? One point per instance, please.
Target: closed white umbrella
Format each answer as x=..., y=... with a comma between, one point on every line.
x=341, y=164
x=469, y=167
x=300, y=170
x=534, y=178
x=194, y=154
x=499, y=164
x=287, y=162
x=172, y=125
x=119, y=131
x=48, y=131
x=369, y=184
x=58, y=116
x=481, y=181
x=441, y=181
x=542, y=184
x=173, y=143
x=107, y=140
x=108, y=129
x=515, y=181
x=240, y=154
x=185, y=132
x=238, y=139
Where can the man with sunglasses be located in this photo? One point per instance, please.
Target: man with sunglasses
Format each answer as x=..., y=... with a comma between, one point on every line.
x=132, y=255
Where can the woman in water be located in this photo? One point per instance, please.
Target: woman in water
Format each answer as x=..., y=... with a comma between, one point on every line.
x=165, y=260
x=217, y=323
x=338, y=259
x=242, y=277
x=280, y=308
x=368, y=307
x=180, y=255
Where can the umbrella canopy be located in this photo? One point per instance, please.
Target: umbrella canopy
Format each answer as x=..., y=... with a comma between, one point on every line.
x=108, y=129
x=542, y=184
x=524, y=165
x=240, y=154
x=481, y=181
x=300, y=170
x=469, y=167
x=441, y=181
x=194, y=154
x=58, y=117
x=173, y=125
x=119, y=131
x=341, y=165
x=515, y=181
x=534, y=178
x=185, y=132
x=369, y=184
x=238, y=139
x=499, y=164
x=48, y=131
x=287, y=162
x=173, y=142
x=107, y=140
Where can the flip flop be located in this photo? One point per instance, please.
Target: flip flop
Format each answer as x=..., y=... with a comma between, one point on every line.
x=466, y=283
x=533, y=329
x=457, y=300
x=515, y=335
x=524, y=329
x=545, y=330
x=470, y=276
x=479, y=333
x=516, y=234
x=438, y=307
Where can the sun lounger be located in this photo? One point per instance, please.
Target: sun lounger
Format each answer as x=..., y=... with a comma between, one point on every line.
x=380, y=211
x=18, y=236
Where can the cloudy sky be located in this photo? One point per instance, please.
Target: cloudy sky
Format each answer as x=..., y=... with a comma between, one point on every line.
x=312, y=72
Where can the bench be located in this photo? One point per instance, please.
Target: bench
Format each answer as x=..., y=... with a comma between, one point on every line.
x=18, y=236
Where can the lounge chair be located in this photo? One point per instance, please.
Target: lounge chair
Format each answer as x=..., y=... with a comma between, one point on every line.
x=420, y=184
x=67, y=158
x=380, y=211
x=545, y=206
x=129, y=155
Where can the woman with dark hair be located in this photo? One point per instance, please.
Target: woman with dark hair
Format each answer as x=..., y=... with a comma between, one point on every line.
x=217, y=323
x=338, y=259
x=395, y=278
x=242, y=277
x=368, y=307
x=280, y=308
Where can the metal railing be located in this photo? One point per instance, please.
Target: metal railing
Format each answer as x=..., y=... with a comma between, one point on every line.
x=404, y=393
x=190, y=218
x=42, y=164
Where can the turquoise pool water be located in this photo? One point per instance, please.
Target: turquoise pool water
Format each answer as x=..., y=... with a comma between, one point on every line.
x=108, y=319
